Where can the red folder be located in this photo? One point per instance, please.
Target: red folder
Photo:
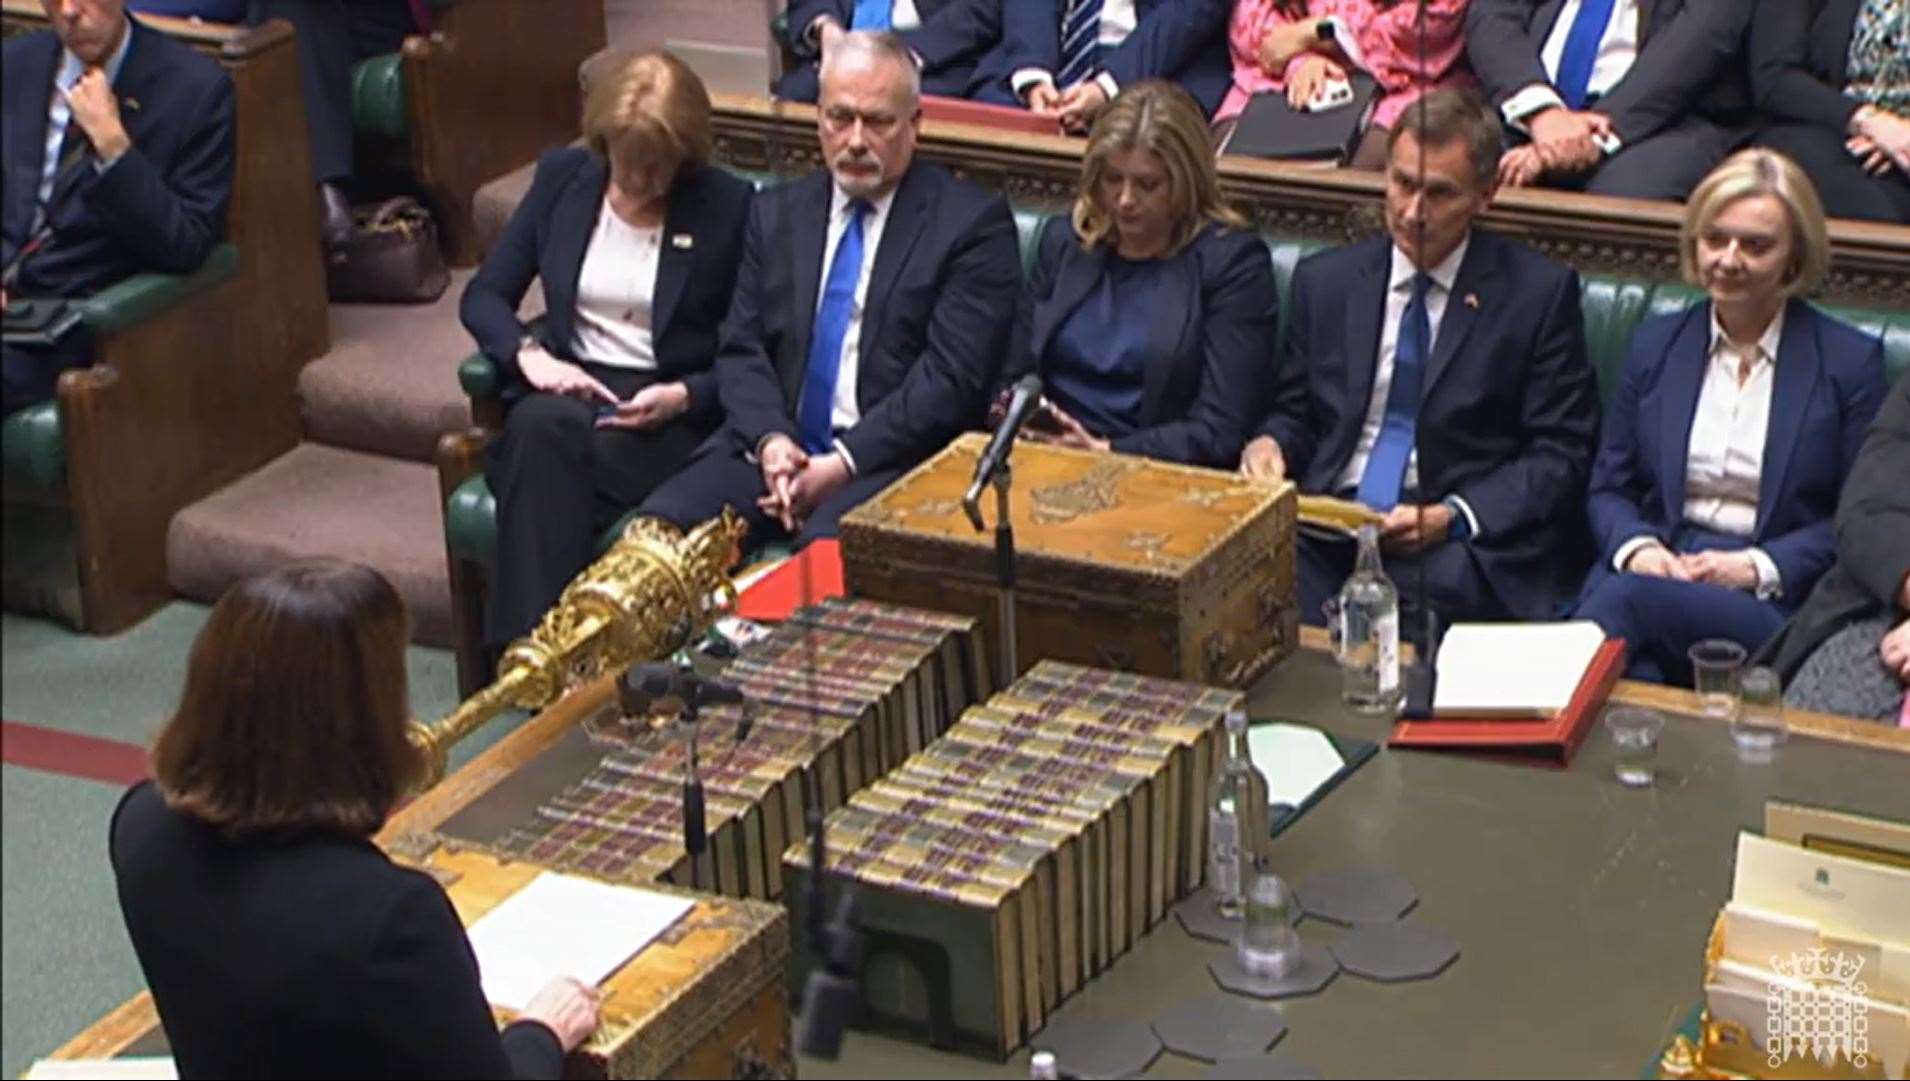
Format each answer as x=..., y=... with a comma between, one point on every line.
x=1005, y=117
x=1550, y=742
x=804, y=578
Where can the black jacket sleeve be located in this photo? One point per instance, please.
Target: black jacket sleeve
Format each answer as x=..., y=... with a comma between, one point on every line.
x=1782, y=84
x=171, y=217
x=1676, y=65
x=1873, y=517
x=422, y=998
x=488, y=308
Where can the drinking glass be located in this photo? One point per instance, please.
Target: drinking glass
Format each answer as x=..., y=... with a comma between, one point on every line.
x=1759, y=725
x=1635, y=738
x=1714, y=665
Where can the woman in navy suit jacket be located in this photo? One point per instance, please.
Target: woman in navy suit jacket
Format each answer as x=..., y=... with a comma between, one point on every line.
x=1151, y=311
x=637, y=240
x=1731, y=434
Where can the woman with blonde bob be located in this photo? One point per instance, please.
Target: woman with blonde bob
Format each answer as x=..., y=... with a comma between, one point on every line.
x=1731, y=431
x=1150, y=311
x=277, y=939
x=637, y=239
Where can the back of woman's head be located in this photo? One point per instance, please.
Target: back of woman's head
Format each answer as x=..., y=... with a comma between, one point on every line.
x=294, y=711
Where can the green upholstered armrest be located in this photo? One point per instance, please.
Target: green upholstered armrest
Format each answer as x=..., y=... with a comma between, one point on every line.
x=1892, y=327
x=143, y=295
x=470, y=521
x=31, y=445
x=378, y=96
x=479, y=377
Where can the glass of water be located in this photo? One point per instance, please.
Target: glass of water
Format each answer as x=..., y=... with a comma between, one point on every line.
x=1759, y=725
x=1714, y=666
x=1635, y=740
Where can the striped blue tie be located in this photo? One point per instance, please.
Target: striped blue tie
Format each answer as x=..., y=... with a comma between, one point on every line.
x=831, y=327
x=1386, y=466
x=1080, y=43
x=1581, y=51
x=871, y=15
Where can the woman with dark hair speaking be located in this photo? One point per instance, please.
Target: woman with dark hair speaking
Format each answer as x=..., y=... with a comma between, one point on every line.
x=277, y=939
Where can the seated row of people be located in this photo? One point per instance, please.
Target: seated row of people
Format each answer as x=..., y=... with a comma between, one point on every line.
x=1438, y=373
x=1616, y=97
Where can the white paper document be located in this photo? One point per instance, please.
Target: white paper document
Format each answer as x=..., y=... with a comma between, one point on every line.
x=102, y=1069
x=562, y=925
x=1295, y=759
x=1513, y=669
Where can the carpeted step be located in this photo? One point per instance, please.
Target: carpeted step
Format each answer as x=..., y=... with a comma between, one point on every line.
x=321, y=501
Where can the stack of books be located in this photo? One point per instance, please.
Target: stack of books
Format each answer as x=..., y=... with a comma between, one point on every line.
x=838, y=694
x=1035, y=842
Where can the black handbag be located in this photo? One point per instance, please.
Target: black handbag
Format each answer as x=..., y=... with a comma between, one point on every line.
x=392, y=256
x=1270, y=128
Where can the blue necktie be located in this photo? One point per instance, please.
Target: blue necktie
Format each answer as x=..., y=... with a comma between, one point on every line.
x=1080, y=43
x=1581, y=49
x=871, y=15
x=832, y=325
x=1386, y=466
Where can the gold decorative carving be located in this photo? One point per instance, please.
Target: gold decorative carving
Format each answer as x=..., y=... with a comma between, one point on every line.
x=1092, y=493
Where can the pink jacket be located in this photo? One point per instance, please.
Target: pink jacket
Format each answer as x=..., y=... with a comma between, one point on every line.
x=1385, y=38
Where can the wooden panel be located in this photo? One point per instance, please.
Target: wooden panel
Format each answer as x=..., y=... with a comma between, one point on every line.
x=460, y=457
x=1870, y=261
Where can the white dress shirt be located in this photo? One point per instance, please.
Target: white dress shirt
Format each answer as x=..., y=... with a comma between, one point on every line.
x=1399, y=293
x=1617, y=50
x=60, y=114
x=845, y=412
x=615, y=290
x=1118, y=20
x=1724, y=462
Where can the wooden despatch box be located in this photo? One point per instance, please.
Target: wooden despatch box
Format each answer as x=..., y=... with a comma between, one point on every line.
x=1124, y=562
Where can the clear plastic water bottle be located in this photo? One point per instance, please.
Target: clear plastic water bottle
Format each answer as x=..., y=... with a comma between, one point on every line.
x=1268, y=945
x=1236, y=819
x=1366, y=619
x=1041, y=1066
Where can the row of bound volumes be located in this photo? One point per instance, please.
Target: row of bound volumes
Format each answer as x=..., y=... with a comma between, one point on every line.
x=1032, y=845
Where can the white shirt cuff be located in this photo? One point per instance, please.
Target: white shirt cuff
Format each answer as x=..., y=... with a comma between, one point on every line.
x=1472, y=520
x=1630, y=548
x=847, y=458
x=1026, y=79
x=1770, y=584
x=1108, y=86
x=1530, y=100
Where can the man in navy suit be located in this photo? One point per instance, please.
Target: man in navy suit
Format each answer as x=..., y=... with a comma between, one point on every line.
x=947, y=37
x=872, y=312
x=118, y=150
x=1439, y=376
x=1069, y=58
x=1620, y=97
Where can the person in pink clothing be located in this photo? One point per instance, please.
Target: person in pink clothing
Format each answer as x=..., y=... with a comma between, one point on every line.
x=1296, y=46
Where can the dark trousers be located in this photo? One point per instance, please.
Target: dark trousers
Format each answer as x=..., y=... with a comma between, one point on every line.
x=30, y=373
x=719, y=476
x=1666, y=165
x=332, y=36
x=1455, y=585
x=1847, y=191
x=559, y=482
x=1660, y=619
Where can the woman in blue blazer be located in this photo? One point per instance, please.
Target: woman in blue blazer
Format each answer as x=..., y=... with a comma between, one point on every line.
x=1150, y=312
x=637, y=240
x=1731, y=433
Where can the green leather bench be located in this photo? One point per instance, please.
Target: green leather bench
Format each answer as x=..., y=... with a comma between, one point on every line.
x=1613, y=308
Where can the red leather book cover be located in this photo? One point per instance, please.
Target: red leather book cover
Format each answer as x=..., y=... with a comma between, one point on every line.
x=1548, y=742
x=804, y=578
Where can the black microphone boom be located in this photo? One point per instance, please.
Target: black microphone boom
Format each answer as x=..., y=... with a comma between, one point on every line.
x=1021, y=406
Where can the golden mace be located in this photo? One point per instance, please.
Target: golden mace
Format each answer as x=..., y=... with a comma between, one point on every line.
x=649, y=595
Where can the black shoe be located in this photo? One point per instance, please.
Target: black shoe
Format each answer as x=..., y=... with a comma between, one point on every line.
x=335, y=220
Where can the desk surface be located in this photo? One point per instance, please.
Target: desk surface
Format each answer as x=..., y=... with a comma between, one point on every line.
x=1581, y=907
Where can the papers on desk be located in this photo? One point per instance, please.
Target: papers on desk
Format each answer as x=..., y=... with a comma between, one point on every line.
x=1295, y=759
x=138, y=1068
x=562, y=925
x=1513, y=670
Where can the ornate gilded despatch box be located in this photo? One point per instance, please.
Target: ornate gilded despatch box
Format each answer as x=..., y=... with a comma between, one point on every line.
x=1124, y=562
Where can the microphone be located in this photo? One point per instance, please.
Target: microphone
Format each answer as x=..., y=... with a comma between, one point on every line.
x=1021, y=406
x=646, y=684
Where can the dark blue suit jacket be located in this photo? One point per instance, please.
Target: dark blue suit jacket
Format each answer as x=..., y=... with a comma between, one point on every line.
x=1183, y=41
x=1207, y=344
x=1508, y=414
x=935, y=329
x=1828, y=384
x=548, y=235
x=953, y=37
x=161, y=206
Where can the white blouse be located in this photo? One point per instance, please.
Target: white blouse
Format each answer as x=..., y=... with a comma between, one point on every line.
x=615, y=291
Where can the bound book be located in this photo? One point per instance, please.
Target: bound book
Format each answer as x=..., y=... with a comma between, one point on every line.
x=1549, y=741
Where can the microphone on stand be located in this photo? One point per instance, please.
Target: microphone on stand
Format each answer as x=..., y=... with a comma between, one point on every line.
x=1418, y=680
x=1021, y=406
